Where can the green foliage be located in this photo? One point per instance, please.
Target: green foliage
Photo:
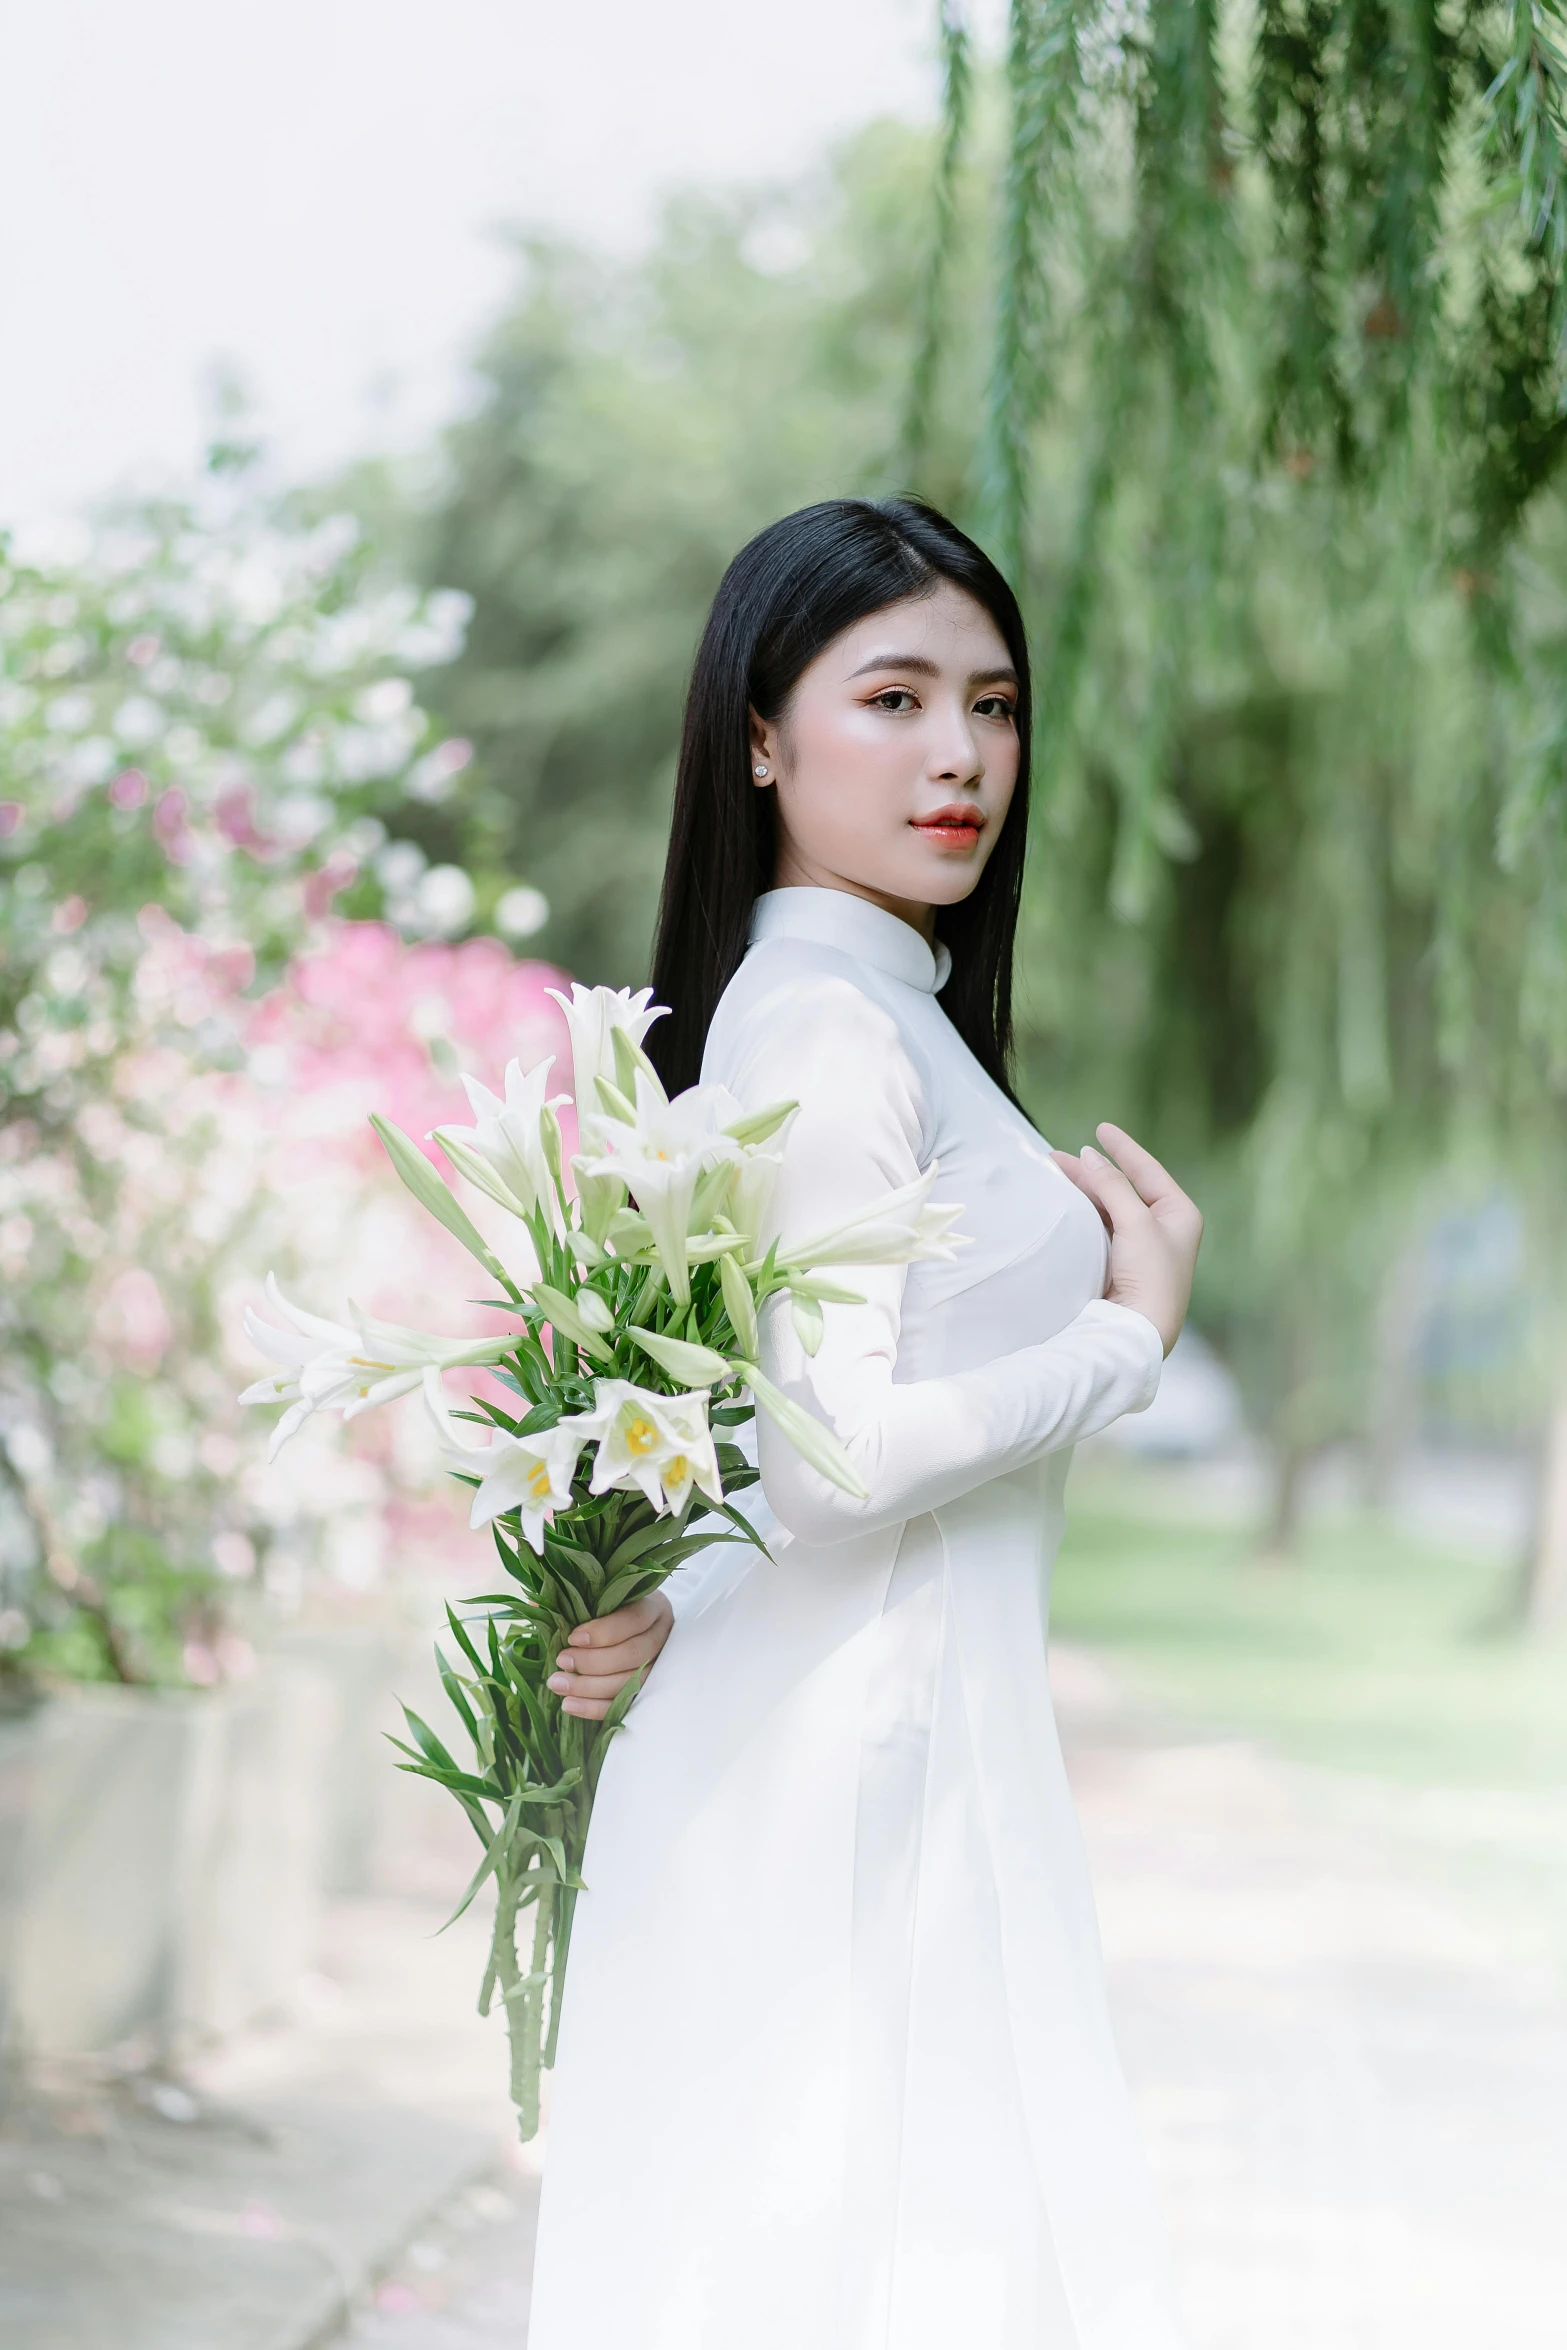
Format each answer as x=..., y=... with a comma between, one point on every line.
x=639, y=422
x=1379, y=1657
x=1276, y=407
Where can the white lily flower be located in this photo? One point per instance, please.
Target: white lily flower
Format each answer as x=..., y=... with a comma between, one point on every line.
x=333, y=1368
x=503, y=1152
x=659, y=1445
x=592, y=1016
x=529, y=1474
x=899, y=1229
x=308, y=1338
x=661, y=1159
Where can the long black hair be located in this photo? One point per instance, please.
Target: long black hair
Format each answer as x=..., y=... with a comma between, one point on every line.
x=787, y=594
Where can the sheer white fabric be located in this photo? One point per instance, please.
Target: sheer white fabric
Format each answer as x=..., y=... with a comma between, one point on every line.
x=836, y=2067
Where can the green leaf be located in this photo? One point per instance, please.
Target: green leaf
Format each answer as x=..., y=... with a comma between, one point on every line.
x=462, y=1639
x=621, y=1703
x=426, y=1739
x=746, y=1528
x=499, y=1845
x=646, y=1538
x=626, y=1587
x=454, y=1690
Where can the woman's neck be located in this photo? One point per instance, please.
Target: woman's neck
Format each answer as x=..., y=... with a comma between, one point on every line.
x=792, y=875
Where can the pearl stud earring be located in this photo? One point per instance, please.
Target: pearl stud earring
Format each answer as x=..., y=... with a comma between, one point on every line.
x=759, y=771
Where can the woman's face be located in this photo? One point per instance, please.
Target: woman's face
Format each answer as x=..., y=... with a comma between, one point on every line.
x=897, y=757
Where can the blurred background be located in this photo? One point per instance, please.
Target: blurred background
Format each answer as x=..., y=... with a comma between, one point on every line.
x=387, y=388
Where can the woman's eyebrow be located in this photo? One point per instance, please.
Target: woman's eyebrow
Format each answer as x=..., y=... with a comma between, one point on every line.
x=915, y=661
x=921, y=666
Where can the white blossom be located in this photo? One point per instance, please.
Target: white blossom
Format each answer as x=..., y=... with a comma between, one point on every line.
x=529, y=1474
x=658, y=1445
x=502, y=1152
x=329, y=1367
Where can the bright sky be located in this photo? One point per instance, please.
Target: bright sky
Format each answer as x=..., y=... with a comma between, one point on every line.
x=308, y=189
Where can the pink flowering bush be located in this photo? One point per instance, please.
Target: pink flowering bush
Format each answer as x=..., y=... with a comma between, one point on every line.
x=366, y=1022
x=207, y=723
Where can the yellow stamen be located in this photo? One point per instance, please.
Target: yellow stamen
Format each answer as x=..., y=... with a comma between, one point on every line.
x=641, y=1435
x=538, y=1482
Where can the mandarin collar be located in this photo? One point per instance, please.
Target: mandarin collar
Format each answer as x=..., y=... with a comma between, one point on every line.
x=836, y=918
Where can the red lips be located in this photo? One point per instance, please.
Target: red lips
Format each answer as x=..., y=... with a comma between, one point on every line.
x=957, y=826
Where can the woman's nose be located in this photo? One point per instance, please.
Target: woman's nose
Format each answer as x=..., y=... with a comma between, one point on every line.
x=955, y=755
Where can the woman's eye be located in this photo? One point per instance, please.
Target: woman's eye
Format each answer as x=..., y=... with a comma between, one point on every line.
x=993, y=706
x=896, y=697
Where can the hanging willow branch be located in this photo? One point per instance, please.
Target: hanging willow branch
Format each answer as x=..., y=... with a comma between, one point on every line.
x=957, y=81
x=1044, y=80
x=1121, y=162
x=1273, y=444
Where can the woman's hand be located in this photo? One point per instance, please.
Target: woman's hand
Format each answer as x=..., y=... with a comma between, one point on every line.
x=1154, y=1228
x=601, y=1657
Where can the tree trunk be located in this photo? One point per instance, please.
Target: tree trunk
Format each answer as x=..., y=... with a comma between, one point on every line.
x=61, y=1568
x=1282, y=1531
x=1542, y=1583
x=1395, y=1395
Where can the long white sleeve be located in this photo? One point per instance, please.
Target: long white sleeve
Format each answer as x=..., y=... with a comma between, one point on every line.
x=921, y=1443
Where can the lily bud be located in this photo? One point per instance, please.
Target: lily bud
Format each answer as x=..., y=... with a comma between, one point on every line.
x=565, y=1316
x=698, y=1366
x=808, y=1325
x=739, y=1305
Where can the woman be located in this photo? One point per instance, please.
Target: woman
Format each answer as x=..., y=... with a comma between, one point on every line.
x=836, y=2071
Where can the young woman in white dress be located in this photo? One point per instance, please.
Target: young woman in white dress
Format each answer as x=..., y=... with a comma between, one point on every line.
x=836, y=2071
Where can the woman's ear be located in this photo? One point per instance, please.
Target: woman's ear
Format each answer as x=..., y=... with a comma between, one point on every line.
x=764, y=752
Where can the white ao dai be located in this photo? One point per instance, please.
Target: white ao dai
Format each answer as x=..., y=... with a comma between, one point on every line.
x=836, y=2071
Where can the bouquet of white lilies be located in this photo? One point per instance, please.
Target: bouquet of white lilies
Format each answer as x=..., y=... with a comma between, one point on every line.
x=636, y=1291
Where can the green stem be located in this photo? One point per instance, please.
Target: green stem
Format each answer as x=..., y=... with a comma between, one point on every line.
x=568, y=1910
x=522, y=2003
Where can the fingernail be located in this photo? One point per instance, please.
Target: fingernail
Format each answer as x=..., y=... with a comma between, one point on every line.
x=567, y=1662
x=1094, y=1158
x=560, y=1682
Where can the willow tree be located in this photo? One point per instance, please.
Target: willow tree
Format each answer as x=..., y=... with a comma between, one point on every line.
x=1274, y=420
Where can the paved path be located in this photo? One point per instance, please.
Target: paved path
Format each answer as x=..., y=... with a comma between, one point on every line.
x=1354, y=2088
x=1352, y=2078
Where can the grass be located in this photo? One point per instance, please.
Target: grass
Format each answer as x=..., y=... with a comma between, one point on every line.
x=1371, y=1652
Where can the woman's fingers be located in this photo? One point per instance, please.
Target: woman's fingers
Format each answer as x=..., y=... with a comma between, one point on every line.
x=1155, y=1228
x=601, y=1656
x=1154, y=1183
x=623, y=1658
x=587, y=1709
x=638, y=1615
x=1115, y=1194
x=592, y=1695
x=1139, y=1166
x=1072, y=1167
